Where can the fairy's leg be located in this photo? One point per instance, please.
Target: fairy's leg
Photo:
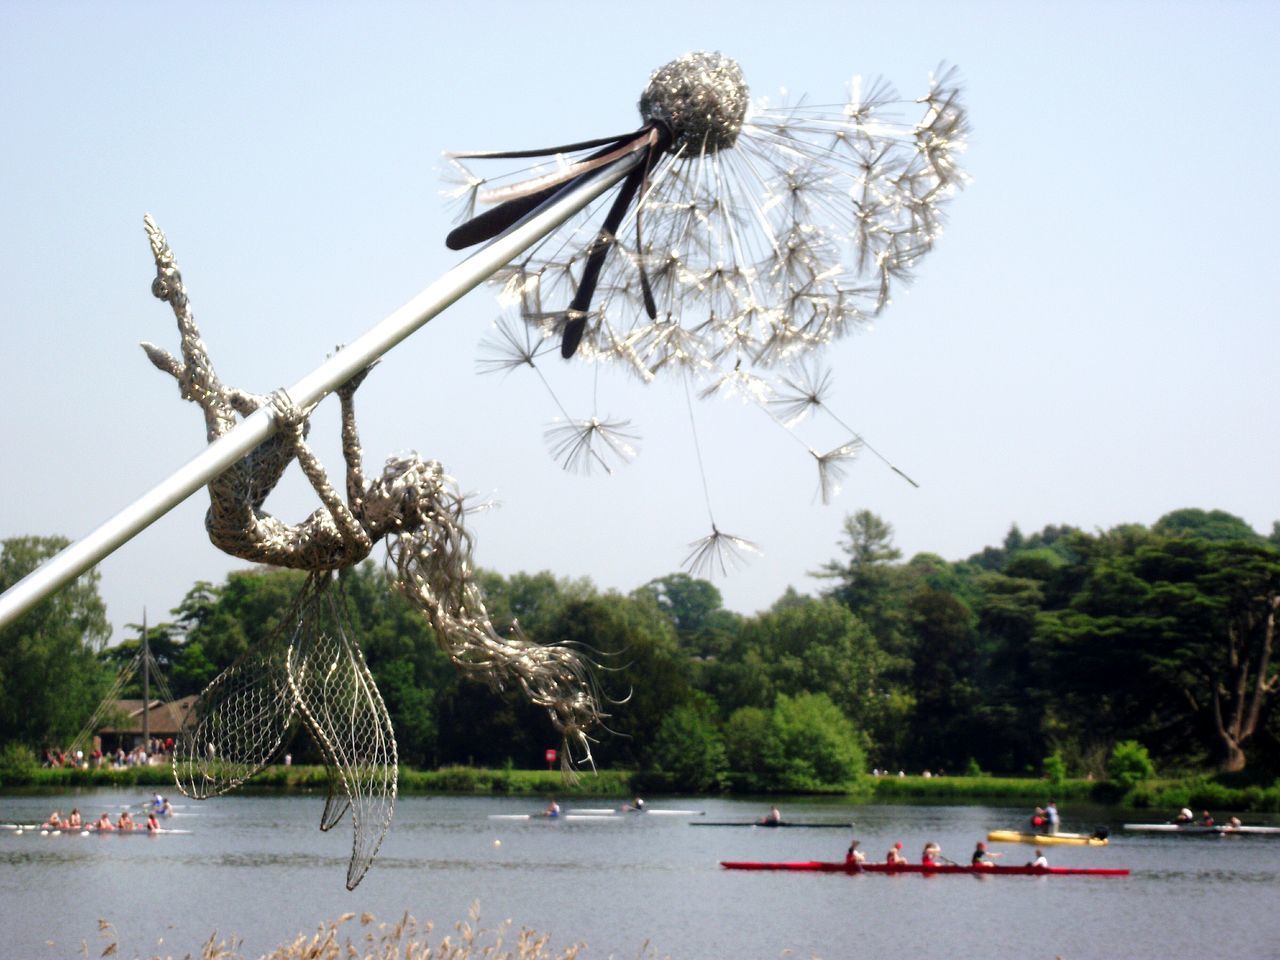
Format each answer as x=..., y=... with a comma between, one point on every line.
x=351, y=451
x=355, y=540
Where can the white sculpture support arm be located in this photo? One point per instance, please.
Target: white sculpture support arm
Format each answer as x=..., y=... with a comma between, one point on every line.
x=61, y=569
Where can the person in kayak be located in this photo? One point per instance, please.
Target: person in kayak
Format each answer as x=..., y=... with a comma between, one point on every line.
x=773, y=816
x=981, y=857
x=1040, y=861
x=553, y=809
x=853, y=854
x=932, y=852
x=1051, y=817
x=895, y=854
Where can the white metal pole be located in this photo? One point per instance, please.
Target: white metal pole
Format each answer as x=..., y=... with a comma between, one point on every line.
x=65, y=566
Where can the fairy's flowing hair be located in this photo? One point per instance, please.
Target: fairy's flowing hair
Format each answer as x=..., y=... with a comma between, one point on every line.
x=430, y=549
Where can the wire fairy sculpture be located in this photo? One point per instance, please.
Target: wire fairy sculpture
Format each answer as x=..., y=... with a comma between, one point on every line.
x=311, y=670
x=743, y=238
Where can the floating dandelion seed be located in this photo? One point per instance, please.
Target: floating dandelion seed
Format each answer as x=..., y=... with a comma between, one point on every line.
x=801, y=393
x=831, y=471
x=717, y=552
x=578, y=444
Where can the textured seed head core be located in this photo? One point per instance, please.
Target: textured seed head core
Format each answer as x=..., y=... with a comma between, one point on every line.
x=701, y=98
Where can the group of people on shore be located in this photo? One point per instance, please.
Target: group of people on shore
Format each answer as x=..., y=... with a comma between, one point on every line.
x=932, y=856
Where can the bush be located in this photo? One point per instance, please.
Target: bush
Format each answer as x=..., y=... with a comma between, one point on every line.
x=820, y=745
x=1055, y=768
x=1129, y=765
x=17, y=764
x=689, y=749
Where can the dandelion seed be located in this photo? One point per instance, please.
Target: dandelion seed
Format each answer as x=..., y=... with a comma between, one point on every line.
x=509, y=348
x=801, y=392
x=580, y=444
x=831, y=472
x=717, y=551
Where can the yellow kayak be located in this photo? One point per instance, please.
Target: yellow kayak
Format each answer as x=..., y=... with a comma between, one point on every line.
x=1014, y=836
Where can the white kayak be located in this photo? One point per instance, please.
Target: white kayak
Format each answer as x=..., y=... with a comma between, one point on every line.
x=607, y=811
x=1199, y=829
x=543, y=816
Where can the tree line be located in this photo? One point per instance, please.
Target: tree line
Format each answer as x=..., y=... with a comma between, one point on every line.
x=1052, y=647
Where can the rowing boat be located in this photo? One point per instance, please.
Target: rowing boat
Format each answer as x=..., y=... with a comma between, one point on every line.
x=1196, y=829
x=815, y=824
x=609, y=811
x=23, y=828
x=542, y=816
x=817, y=866
x=1042, y=839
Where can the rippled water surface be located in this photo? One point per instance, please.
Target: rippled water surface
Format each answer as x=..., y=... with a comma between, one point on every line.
x=258, y=868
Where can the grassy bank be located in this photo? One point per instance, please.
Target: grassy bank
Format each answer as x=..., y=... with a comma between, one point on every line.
x=1201, y=793
x=303, y=779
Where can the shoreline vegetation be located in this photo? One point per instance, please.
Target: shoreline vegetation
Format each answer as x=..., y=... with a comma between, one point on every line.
x=407, y=938
x=1197, y=792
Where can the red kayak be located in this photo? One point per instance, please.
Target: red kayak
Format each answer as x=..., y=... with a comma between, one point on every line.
x=817, y=866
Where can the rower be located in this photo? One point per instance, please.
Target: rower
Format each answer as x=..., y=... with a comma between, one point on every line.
x=981, y=858
x=853, y=854
x=126, y=821
x=54, y=822
x=153, y=825
x=774, y=816
x=1184, y=816
x=1041, y=861
x=895, y=854
x=635, y=806
x=929, y=857
x=104, y=823
x=1206, y=819
x=553, y=809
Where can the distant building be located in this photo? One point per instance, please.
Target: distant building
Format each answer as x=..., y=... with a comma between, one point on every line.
x=124, y=724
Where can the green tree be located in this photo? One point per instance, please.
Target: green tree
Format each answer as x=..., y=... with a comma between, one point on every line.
x=819, y=745
x=689, y=748
x=1130, y=764
x=1215, y=525
x=1171, y=640
x=696, y=610
x=51, y=680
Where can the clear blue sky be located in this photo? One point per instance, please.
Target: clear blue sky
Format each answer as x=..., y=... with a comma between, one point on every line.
x=1092, y=342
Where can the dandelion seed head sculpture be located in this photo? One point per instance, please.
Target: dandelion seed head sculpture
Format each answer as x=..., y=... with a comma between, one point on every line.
x=762, y=233
x=310, y=670
x=700, y=98
x=741, y=238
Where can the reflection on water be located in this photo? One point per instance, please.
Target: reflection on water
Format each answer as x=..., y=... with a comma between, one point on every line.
x=258, y=868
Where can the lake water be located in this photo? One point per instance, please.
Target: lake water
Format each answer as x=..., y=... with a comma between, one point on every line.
x=257, y=867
